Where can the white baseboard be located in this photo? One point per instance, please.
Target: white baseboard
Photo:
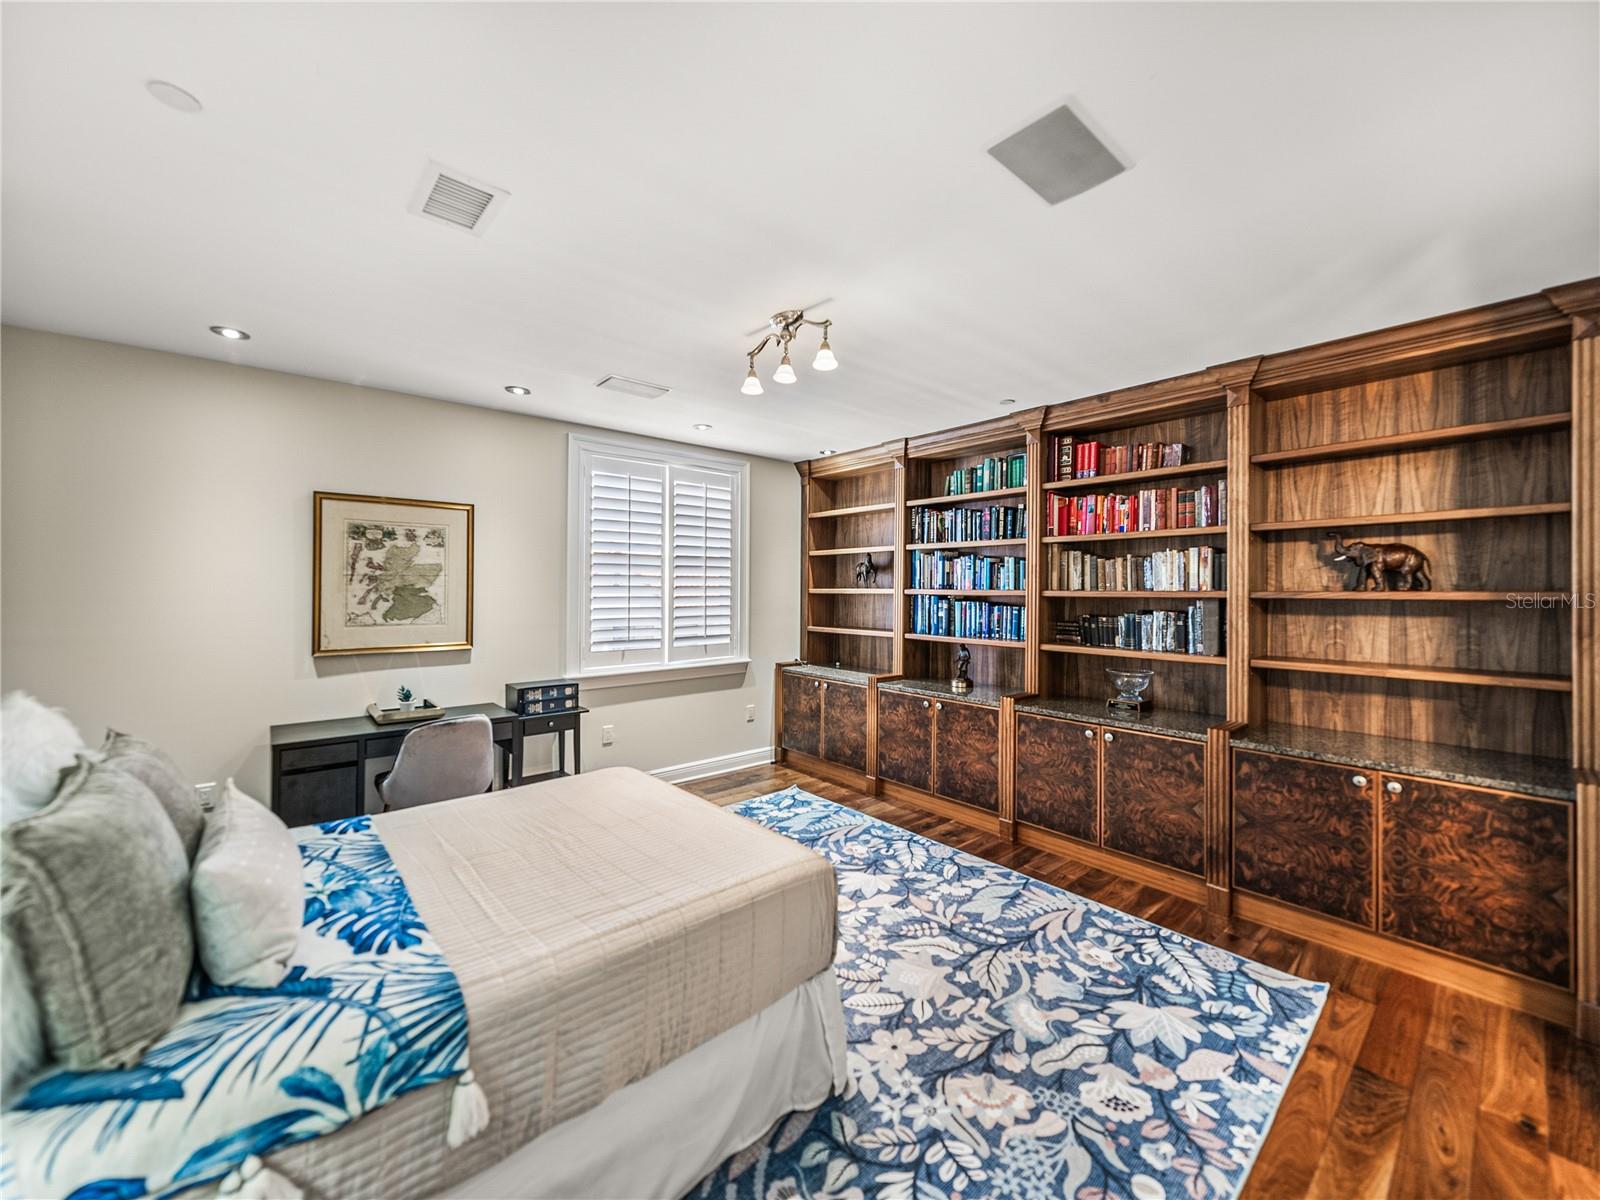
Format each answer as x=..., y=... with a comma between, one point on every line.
x=720, y=765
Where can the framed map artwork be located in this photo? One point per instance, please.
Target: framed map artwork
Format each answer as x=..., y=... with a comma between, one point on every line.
x=390, y=575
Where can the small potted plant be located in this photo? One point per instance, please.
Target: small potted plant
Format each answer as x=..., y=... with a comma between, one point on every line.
x=407, y=700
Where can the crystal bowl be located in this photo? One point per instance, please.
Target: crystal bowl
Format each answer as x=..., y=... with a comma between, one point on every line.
x=1130, y=685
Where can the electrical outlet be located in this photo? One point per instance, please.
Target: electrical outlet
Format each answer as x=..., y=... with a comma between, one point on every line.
x=207, y=794
x=749, y=714
x=608, y=734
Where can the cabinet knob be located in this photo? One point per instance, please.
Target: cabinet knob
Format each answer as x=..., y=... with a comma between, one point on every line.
x=824, y=687
x=1088, y=733
x=1358, y=781
x=939, y=704
x=924, y=704
x=815, y=684
x=1109, y=738
x=1392, y=787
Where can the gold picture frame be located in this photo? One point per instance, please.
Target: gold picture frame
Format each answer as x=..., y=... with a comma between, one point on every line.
x=385, y=570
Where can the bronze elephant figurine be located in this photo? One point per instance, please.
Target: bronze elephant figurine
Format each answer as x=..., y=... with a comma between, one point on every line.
x=1378, y=560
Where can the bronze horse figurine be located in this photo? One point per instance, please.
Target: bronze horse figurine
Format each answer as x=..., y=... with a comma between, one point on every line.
x=1377, y=559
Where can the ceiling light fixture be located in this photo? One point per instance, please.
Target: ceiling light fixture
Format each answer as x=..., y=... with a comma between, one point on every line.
x=516, y=390
x=783, y=326
x=702, y=427
x=825, y=453
x=173, y=96
x=229, y=332
x=1008, y=400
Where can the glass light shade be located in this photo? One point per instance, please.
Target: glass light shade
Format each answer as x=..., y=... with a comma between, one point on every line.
x=785, y=372
x=752, y=385
x=824, y=361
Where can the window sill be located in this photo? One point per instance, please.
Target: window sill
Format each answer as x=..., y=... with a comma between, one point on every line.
x=631, y=676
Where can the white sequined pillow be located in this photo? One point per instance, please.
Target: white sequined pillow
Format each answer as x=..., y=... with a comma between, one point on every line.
x=246, y=893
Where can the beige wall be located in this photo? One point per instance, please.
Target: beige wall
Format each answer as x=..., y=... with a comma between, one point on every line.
x=156, y=558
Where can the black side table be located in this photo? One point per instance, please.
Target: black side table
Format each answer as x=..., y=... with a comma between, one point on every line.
x=560, y=724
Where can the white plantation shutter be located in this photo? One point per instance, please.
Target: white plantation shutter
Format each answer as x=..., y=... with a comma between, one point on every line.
x=702, y=562
x=626, y=556
x=657, y=558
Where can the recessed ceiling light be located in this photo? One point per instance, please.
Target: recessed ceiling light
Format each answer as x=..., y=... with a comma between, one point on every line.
x=517, y=391
x=825, y=453
x=702, y=426
x=232, y=334
x=173, y=96
x=1008, y=400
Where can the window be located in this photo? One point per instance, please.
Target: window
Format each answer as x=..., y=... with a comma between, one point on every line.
x=656, y=560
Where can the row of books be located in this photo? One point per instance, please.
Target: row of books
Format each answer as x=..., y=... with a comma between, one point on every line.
x=976, y=572
x=1152, y=509
x=979, y=620
x=1004, y=471
x=1195, y=569
x=1076, y=458
x=1196, y=629
x=968, y=524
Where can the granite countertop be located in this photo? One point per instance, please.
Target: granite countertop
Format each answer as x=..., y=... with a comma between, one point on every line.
x=941, y=689
x=1455, y=764
x=1168, y=721
x=838, y=674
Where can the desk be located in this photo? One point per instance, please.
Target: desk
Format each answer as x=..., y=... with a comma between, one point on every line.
x=319, y=768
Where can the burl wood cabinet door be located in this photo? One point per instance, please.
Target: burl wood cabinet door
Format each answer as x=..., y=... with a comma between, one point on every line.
x=905, y=739
x=1482, y=874
x=1303, y=833
x=802, y=713
x=968, y=757
x=1155, y=795
x=1057, y=783
x=844, y=724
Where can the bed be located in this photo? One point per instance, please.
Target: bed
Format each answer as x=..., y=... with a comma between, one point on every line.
x=648, y=982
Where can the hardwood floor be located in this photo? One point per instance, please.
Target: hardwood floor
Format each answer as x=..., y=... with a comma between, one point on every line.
x=1407, y=1090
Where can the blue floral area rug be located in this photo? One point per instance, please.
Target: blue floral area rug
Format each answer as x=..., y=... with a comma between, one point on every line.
x=1010, y=1039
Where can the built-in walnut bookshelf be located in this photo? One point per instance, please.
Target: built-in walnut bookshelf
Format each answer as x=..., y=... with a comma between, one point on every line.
x=850, y=505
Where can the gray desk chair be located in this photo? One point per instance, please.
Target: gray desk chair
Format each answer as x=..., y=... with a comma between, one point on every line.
x=440, y=761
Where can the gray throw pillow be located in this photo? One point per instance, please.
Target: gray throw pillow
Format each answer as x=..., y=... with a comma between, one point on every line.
x=151, y=766
x=246, y=893
x=97, y=895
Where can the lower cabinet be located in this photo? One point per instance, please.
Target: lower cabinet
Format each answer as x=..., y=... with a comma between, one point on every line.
x=966, y=753
x=802, y=713
x=1482, y=874
x=1303, y=833
x=1057, y=785
x=1154, y=798
x=844, y=724
x=905, y=739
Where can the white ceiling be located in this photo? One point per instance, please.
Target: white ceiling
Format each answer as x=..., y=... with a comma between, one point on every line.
x=680, y=171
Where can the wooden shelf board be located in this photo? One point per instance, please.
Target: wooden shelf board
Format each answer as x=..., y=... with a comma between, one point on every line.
x=971, y=641
x=1381, y=597
x=967, y=498
x=1115, y=652
x=1197, y=468
x=854, y=550
x=966, y=545
x=1199, y=531
x=1425, y=437
x=825, y=591
x=1545, y=683
x=871, y=633
x=1442, y=514
x=1087, y=594
x=856, y=510
x=983, y=593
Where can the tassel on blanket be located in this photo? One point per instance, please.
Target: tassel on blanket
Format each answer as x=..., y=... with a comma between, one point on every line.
x=254, y=1180
x=469, y=1111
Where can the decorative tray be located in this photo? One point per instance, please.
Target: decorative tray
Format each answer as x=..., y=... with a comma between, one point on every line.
x=426, y=711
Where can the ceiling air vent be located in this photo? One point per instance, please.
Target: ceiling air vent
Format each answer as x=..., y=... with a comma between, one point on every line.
x=632, y=387
x=1057, y=156
x=454, y=198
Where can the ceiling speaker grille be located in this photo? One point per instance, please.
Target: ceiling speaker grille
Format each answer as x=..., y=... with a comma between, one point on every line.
x=1057, y=156
x=632, y=387
x=454, y=198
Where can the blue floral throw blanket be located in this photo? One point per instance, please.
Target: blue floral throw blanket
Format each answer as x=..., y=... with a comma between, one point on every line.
x=1009, y=1039
x=369, y=1010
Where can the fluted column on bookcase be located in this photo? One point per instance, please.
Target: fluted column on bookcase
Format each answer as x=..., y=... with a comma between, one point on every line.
x=1244, y=481
x=901, y=570
x=1033, y=561
x=1581, y=302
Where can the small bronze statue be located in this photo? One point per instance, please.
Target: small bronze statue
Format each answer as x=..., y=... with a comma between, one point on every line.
x=1377, y=560
x=866, y=573
x=961, y=683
